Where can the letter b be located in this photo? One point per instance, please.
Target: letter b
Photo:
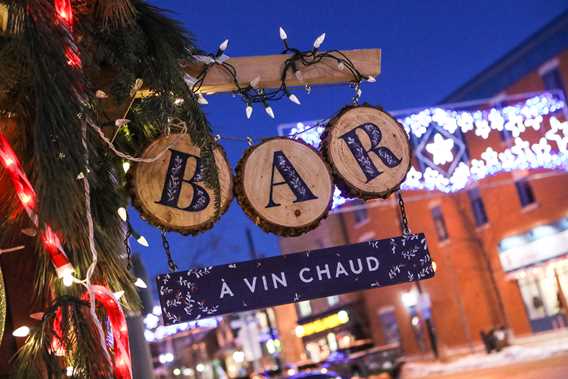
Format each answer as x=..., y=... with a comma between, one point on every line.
x=175, y=180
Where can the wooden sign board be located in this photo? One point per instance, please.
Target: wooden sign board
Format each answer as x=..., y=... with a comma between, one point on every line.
x=217, y=290
x=284, y=186
x=368, y=150
x=170, y=192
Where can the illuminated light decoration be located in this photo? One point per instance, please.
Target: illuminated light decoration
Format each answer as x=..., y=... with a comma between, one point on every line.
x=248, y=111
x=122, y=213
x=554, y=134
x=142, y=241
x=27, y=196
x=117, y=321
x=441, y=149
x=22, y=331
x=541, y=112
x=323, y=324
x=64, y=12
x=126, y=166
x=140, y=283
x=73, y=59
x=161, y=331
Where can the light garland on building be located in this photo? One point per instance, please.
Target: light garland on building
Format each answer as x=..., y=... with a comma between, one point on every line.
x=441, y=150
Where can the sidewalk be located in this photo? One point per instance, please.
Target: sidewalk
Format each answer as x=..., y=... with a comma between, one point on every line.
x=524, y=349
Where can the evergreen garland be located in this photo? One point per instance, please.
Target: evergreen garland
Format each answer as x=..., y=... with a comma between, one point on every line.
x=119, y=41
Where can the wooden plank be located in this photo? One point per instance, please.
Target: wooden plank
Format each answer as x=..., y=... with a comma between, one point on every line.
x=269, y=68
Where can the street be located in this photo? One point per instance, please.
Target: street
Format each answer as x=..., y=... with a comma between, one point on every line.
x=550, y=368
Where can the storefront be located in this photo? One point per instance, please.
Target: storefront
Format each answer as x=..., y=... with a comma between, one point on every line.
x=336, y=328
x=538, y=260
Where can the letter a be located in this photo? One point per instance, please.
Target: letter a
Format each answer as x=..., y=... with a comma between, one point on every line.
x=362, y=156
x=291, y=178
x=174, y=181
x=225, y=290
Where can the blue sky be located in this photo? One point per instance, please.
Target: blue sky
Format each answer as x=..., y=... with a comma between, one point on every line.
x=429, y=49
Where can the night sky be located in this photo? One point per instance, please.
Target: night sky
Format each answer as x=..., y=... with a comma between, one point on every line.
x=429, y=49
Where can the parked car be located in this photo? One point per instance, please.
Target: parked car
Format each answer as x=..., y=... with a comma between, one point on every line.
x=315, y=374
x=364, y=359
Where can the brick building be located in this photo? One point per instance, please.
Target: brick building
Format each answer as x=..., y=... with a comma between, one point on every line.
x=500, y=242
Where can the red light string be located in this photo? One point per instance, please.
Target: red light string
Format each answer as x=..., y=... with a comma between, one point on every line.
x=122, y=363
x=25, y=192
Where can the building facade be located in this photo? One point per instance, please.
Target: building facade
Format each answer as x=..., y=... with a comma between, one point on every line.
x=499, y=239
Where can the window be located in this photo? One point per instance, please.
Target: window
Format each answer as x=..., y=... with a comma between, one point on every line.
x=305, y=308
x=332, y=300
x=525, y=192
x=361, y=214
x=552, y=79
x=477, y=206
x=439, y=223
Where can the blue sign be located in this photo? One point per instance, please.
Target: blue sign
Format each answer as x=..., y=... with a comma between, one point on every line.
x=216, y=290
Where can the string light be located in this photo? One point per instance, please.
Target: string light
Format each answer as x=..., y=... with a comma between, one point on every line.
x=118, y=294
x=251, y=93
x=319, y=41
x=248, y=111
x=126, y=166
x=68, y=279
x=122, y=213
x=201, y=99
x=22, y=331
x=550, y=151
x=140, y=283
x=268, y=110
x=283, y=37
x=222, y=47
x=293, y=98
x=142, y=241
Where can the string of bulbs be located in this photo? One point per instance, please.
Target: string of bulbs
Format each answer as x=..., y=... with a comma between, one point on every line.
x=252, y=93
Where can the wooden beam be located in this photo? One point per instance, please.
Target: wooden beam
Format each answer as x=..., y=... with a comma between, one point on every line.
x=269, y=68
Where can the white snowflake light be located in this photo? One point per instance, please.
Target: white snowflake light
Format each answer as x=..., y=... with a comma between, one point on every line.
x=441, y=149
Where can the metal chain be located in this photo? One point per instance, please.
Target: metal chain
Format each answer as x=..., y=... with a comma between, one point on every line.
x=403, y=218
x=128, y=249
x=171, y=264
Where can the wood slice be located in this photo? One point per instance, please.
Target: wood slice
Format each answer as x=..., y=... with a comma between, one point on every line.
x=368, y=151
x=284, y=186
x=170, y=192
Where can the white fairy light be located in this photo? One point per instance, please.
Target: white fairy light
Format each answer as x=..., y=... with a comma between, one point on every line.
x=201, y=99
x=122, y=213
x=371, y=79
x=293, y=98
x=140, y=283
x=22, y=331
x=269, y=111
x=283, y=35
x=118, y=294
x=223, y=46
x=68, y=280
x=248, y=111
x=318, y=42
x=142, y=241
x=126, y=166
